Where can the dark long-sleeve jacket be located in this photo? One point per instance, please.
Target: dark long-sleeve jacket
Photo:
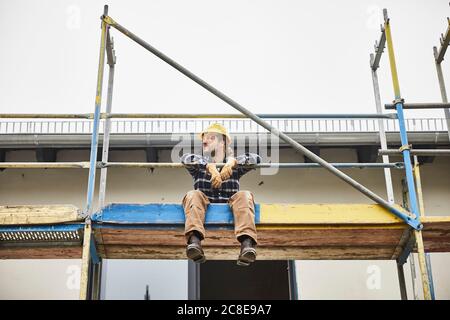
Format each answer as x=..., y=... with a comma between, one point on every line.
x=196, y=165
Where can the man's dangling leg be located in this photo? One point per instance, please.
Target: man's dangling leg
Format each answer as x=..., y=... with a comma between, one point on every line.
x=243, y=207
x=195, y=204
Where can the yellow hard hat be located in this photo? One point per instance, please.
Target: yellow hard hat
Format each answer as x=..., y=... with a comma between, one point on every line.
x=216, y=128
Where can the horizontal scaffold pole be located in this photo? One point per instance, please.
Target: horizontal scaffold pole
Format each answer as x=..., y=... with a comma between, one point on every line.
x=47, y=116
x=44, y=165
x=434, y=105
x=397, y=165
x=417, y=152
x=403, y=214
x=190, y=115
x=154, y=165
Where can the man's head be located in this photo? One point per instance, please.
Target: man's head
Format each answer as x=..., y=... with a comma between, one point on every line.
x=215, y=138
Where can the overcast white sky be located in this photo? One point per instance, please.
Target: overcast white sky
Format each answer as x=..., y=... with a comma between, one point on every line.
x=271, y=56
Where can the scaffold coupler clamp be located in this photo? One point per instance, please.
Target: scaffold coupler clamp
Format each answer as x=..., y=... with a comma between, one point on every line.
x=84, y=215
x=399, y=100
x=405, y=147
x=417, y=225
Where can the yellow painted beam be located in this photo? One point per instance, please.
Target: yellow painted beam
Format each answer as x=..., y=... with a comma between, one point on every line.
x=435, y=219
x=326, y=214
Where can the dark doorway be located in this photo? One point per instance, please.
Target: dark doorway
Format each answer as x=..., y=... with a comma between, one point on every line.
x=226, y=280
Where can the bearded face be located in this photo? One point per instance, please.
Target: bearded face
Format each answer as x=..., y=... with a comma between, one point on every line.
x=211, y=143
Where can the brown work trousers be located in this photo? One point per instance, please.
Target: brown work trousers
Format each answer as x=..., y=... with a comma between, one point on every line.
x=241, y=203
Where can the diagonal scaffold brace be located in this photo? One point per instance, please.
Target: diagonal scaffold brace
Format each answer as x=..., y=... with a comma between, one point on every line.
x=408, y=217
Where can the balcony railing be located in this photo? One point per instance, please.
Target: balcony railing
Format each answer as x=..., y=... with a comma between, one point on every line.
x=164, y=126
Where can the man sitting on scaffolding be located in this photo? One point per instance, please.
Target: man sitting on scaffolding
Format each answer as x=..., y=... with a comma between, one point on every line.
x=212, y=185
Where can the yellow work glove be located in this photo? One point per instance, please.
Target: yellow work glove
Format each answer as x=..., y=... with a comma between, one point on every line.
x=227, y=169
x=216, y=180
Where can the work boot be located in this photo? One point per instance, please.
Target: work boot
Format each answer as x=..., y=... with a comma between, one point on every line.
x=248, y=251
x=194, y=249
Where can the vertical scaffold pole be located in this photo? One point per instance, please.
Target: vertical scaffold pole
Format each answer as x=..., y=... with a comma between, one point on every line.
x=422, y=213
x=99, y=270
x=412, y=263
x=423, y=265
x=107, y=128
x=293, y=285
x=85, y=262
x=443, y=91
x=402, y=282
x=406, y=156
x=438, y=58
x=98, y=102
x=374, y=64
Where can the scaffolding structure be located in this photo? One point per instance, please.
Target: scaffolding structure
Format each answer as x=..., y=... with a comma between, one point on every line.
x=400, y=230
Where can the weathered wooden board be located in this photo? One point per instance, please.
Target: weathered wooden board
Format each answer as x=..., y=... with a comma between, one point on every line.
x=264, y=253
x=38, y=214
x=305, y=242
x=436, y=234
x=41, y=252
x=266, y=237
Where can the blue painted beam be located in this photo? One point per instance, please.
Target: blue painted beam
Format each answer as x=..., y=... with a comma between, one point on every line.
x=156, y=213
